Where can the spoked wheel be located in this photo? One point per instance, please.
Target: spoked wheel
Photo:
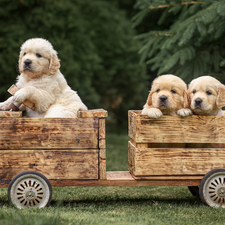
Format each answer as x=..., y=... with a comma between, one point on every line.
x=29, y=188
x=212, y=188
x=194, y=190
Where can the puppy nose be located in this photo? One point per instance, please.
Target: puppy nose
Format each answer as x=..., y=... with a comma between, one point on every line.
x=198, y=101
x=27, y=62
x=163, y=98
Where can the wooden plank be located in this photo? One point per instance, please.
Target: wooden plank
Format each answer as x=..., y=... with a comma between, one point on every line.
x=54, y=164
x=13, y=89
x=39, y=133
x=11, y=114
x=116, y=178
x=102, y=163
x=101, y=136
x=131, y=158
x=175, y=129
x=177, y=161
x=94, y=113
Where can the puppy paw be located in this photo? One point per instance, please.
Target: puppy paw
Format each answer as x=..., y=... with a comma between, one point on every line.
x=184, y=112
x=20, y=96
x=154, y=113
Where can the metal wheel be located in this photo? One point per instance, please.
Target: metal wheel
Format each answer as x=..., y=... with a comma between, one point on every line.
x=212, y=188
x=194, y=190
x=29, y=188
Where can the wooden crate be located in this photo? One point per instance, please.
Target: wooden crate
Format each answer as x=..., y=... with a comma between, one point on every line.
x=173, y=147
x=59, y=148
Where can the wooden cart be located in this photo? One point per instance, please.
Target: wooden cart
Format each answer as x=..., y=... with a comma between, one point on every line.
x=38, y=153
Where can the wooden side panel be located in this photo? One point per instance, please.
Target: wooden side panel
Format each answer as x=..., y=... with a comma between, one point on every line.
x=131, y=157
x=94, y=113
x=175, y=129
x=102, y=164
x=54, y=164
x=10, y=114
x=177, y=161
x=132, y=124
x=47, y=133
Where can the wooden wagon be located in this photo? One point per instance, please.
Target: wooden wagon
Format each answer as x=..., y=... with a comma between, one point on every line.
x=38, y=153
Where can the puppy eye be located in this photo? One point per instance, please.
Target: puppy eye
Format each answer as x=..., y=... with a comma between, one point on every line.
x=194, y=91
x=157, y=90
x=208, y=92
x=24, y=53
x=174, y=92
x=38, y=55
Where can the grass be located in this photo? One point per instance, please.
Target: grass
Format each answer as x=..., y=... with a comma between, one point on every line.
x=114, y=205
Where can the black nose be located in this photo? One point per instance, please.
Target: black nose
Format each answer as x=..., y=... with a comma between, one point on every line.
x=198, y=101
x=27, y=62
x=163, y=98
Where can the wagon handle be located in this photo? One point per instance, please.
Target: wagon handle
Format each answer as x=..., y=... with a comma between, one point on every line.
x=15, y=105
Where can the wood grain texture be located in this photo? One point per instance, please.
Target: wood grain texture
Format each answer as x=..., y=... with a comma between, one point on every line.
x=39, y=133
x=54, y=164
x=102, y=163
x=5, y=114
x=175, y=129
x=94, y=113
x=175, y=161
x=101, y=135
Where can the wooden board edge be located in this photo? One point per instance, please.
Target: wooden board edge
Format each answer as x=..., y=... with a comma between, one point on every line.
x=102, y=164
x=93, y=113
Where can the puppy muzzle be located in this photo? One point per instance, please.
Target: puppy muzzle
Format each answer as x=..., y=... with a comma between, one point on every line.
x=27, y=64
x=198, y=103
x=163, y=101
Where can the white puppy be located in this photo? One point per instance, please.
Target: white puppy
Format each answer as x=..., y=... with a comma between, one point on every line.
x=168, y=96
x=42, y=83
x=207, y=96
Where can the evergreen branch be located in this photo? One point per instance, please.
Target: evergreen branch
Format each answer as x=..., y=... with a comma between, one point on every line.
x=167, y=6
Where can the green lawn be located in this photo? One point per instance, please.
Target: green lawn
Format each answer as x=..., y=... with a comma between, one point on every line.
x=115, y=205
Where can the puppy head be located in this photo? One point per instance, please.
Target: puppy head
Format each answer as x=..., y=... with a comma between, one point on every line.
x=37, y=57
x=168, y=93
x=207, y=95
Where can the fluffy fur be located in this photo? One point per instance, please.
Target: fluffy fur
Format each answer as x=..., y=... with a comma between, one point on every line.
x=42, y=83
x=207, y=96
x=168, y=96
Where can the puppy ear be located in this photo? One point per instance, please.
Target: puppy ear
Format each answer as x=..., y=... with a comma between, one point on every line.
x=20, y=60
x=220, y=101
x=186, y=100
x=54, y=64
x=149, y=99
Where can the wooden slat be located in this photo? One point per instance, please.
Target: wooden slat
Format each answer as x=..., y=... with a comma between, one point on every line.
x=12, y=114
x=175, y=129
x=176, y=161
x=117, y=178
x=39, y=133
x=94, y=113
x=102, y=163
x=54, y=164
x=102, y=133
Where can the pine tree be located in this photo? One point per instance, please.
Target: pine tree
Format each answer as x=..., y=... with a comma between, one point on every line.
x=191, y=43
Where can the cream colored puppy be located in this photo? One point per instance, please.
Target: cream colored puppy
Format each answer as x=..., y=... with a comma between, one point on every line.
x=168, y=96
x=42, y=83
x=207, y=96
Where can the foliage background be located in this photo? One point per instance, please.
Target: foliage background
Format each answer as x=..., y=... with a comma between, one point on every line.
x=94, y=40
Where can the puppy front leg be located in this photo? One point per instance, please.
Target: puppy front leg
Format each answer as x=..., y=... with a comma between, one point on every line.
x=5, y=105
x=184, y=112
x=151, y=112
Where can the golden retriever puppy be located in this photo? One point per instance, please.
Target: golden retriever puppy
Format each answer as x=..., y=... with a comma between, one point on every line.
x=168, y=96
x=42, y=83
x=207, y=96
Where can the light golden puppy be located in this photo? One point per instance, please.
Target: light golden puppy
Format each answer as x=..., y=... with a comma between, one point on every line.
x=168, y=96
x=207, y=96
x=42, y=83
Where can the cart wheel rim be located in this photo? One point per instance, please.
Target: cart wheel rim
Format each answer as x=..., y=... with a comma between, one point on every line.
x=30, y=190
x=214, y=190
